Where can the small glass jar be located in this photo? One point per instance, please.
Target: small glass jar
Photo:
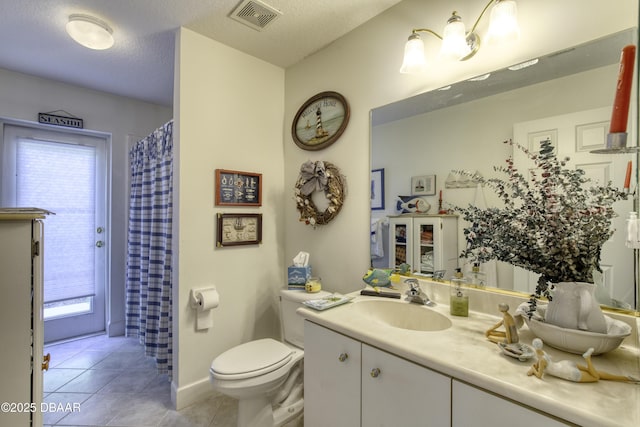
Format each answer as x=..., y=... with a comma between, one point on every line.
x=313, y=284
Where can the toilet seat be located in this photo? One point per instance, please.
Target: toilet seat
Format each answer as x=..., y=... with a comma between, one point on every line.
x=251, y=359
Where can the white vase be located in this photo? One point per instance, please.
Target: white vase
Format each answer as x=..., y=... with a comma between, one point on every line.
x=574, y=306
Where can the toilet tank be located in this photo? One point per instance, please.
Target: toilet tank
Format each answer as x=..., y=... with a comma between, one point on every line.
x=292, y=323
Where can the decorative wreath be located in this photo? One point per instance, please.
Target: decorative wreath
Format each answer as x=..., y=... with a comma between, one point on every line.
x=319, y=176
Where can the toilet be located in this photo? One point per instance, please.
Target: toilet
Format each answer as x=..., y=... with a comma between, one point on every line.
x=265, y=375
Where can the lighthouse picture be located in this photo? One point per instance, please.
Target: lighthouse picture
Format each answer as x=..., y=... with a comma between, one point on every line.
x=320, y=132
x=330, y=112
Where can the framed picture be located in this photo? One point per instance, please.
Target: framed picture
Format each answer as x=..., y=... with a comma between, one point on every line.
x=424, y=185
x=320, y=121
x=235, y=188
x=377, y=189
x=239, y=229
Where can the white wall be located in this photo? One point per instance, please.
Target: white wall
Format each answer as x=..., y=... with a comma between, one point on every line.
x=229, y=109
x=363, y=66
x=123, y=119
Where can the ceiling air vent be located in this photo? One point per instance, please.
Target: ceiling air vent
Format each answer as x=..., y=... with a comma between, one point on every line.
x=255, y=14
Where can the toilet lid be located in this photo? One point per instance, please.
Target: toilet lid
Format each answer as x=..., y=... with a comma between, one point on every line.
x=251, y=359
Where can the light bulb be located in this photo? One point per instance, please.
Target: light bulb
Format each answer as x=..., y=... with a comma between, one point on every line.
x=454, y=39
x=414, y=58
x=503, y=26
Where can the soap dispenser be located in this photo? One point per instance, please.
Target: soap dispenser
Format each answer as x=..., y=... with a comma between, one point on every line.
x=478, y=277
x=459, y=300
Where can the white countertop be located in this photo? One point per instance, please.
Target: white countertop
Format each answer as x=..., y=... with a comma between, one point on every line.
x=463, y=352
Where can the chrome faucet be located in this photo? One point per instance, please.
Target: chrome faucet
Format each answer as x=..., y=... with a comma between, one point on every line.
x=416, y=295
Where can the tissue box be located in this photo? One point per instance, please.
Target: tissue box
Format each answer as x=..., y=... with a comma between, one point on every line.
x=297, y=276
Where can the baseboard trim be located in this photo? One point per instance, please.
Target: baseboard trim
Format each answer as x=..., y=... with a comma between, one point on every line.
x=115, y=329
x=192, y=393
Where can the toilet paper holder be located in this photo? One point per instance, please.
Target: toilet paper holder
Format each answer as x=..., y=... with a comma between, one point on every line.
x=196, y=302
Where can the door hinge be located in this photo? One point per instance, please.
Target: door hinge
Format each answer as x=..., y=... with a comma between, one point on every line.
x=35, y=248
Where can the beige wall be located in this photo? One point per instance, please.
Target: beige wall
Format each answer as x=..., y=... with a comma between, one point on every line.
x=363, y=66
x=229, y=109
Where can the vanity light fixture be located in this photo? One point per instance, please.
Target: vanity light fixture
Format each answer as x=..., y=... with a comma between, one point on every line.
x=459, y=44
x=90, y=31
x=480, y=78
x=524, y=65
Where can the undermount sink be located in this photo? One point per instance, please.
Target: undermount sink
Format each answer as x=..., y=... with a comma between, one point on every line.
x=402, y=315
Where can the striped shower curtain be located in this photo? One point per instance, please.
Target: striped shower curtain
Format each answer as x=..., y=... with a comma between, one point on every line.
x=148, y=283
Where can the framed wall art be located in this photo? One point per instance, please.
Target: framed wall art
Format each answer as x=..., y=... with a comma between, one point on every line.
x=235, y=188
x=320, y=121
x=377, y=189
x=424, y=185
x=239, y=229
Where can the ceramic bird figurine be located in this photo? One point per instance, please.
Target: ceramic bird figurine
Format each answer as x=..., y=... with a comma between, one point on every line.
x=406, y=204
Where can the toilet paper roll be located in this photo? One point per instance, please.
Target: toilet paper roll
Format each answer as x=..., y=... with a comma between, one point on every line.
x=207, y=299
x=204, y=300
x=204, y=319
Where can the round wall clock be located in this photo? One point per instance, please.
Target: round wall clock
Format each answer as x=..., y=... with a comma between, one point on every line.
x=320, y=121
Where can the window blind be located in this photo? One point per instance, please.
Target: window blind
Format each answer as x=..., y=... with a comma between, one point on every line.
x=61, y=178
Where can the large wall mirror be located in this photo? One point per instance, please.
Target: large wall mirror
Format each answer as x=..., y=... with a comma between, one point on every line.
x=566, y=95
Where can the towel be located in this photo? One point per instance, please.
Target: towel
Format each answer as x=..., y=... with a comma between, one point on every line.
x=377, y=247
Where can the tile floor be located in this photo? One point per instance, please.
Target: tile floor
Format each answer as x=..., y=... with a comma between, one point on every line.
x=114, y=384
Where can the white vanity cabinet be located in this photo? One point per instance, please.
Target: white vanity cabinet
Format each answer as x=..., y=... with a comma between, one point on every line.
x=331, y=378
x=352, y=384
x=396, y=392
x=21, y=322
x=427, y=242
x=473, y=406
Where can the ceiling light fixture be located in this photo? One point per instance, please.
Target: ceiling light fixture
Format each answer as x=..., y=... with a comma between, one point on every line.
x=90, y=32
x=459, y=44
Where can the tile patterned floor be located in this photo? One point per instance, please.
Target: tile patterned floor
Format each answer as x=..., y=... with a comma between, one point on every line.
x=114, y=384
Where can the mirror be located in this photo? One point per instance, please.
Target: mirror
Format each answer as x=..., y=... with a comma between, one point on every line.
x=566, y=96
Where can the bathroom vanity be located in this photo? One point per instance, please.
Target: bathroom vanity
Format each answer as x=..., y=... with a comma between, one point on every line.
x=363, y=370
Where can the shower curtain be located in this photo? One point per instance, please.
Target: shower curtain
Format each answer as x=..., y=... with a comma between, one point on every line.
x=148, y=282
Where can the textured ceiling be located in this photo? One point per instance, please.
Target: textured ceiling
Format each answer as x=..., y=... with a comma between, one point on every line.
x=140, y=65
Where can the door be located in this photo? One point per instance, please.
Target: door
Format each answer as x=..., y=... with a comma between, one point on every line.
x=331, y=378
x=64, y=173
x=475, y=407
x=575, y=135
x=425, y=235
x=396, y=392
x=400, y=234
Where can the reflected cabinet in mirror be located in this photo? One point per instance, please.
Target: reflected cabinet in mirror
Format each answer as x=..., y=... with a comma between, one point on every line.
x=566, y=96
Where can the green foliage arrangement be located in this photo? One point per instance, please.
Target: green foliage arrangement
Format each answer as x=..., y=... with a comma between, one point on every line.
x=552, y=222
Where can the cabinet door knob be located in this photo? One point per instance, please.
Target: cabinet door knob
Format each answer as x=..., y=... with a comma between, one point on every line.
x=375, y=372
x=45, y=362
x=343, y=357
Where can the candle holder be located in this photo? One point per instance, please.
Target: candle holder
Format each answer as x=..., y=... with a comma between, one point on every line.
x=616, y=143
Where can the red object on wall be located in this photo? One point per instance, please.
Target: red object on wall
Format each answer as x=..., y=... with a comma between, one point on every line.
x=627, y=178
x=620, y=114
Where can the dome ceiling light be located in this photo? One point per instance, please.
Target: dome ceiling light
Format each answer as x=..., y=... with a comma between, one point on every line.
x=90, y=31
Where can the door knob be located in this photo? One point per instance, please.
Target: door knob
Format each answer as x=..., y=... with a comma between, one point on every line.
x=375, y=372
x=100, y=230
x=99, y=243
x=45, y=362
x=343, y=357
